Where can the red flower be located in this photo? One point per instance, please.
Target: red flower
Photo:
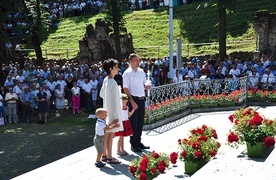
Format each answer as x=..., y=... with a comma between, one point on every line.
x=194, y=131
x=173, y=157
x=183, y=154
x=142, y=167
x=155, y=155
x=256, y=120
x=200, y=131
x=269, y=141
x=196, y=145
x=247, y=112
x=197, y=154
x=153, y=170
x=132, y=170
x=218, y=144
x=145, y=161
x=214, y=133
x=232, y=137
x=203, y=138
x=162, y=163
x=231, y=118
x=161, y=168
x=179, y=141
x=213, y=153
x=204, y=126
x=143, y=176
x=185, y=141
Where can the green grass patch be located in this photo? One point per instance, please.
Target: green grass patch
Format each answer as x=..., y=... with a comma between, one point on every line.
x=193, y=23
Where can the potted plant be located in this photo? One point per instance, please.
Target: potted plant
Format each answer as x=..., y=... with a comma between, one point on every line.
x=198, y=148
x=149, y=166
x=253, y=129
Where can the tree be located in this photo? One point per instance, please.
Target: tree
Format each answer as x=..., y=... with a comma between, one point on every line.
x=33, y=10
x=5, y=7
x=116, y=21
x=222, y=6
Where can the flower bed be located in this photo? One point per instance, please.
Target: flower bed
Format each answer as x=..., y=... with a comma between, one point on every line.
x=170, y=107
x=261, y=96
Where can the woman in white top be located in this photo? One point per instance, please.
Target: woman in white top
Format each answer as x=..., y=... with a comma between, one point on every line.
x=110, y=92
x=94, y=82
x=75, y=98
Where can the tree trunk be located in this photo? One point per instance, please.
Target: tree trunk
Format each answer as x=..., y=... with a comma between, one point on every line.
x=37, y=48
x=115, y=15
x=36, y=22
x=222, y=33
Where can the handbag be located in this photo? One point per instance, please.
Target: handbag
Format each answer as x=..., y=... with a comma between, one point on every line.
x=2, y=121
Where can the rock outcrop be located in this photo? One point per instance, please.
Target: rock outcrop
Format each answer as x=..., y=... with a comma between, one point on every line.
x=98, y=44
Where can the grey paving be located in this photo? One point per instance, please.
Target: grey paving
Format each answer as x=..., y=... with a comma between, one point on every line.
x=229, y=163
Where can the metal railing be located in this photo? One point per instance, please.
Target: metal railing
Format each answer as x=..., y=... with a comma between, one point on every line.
x=173, y=98
x=192, y=49
x=159, y=51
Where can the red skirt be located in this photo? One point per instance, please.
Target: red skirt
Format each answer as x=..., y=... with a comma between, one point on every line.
x=127, y=129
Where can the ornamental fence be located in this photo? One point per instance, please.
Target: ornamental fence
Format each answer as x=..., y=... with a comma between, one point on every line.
x=172, y=99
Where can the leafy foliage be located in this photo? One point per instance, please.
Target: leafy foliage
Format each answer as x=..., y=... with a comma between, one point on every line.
x=249, y=126
x=114, y=8
x=200, y=145
x=149, y=165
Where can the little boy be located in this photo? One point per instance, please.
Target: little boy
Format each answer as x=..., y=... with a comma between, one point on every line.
x=100, y=128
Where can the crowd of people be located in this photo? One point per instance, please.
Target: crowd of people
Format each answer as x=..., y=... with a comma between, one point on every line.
x=30, y=89
x=75, y=85
x=17, y=21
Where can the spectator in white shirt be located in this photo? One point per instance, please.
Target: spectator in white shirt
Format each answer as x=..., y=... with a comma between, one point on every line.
x=61, y=82
x=235, y=71
x=268, y=80
x=253, y=80
x=87, y=89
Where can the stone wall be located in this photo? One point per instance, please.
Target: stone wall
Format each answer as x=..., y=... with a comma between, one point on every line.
x=265, y=25
x=98, y=45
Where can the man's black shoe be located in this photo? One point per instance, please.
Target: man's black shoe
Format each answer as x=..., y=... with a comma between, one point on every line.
x=135, y=149
x=142, y=146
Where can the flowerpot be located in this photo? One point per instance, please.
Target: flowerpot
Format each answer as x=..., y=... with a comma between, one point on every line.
x=192, y=167
x=149, y=177
x=146, y=121
x=256, y=150
x=194, y=106
x=226, y=104
x=271, y=100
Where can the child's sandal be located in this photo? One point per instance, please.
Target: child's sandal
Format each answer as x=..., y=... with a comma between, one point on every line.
x=104, y=158
x=99, y=164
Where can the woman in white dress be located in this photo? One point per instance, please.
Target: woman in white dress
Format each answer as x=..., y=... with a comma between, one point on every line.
x=60, y=100
x=111, y=94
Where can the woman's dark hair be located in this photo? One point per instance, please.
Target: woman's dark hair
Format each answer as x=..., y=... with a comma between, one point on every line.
x=109, y=63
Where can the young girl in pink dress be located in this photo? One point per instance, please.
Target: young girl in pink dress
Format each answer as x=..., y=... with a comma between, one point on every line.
x=127, y=131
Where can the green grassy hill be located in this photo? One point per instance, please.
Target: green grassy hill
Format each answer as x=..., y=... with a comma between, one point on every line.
x=193, y=23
